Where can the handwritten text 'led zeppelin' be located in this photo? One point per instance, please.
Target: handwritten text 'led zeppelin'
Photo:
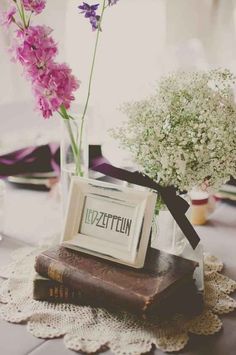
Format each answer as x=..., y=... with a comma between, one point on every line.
x=108, y=221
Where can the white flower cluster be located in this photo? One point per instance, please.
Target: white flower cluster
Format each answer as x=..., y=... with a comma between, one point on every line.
x=186, y=132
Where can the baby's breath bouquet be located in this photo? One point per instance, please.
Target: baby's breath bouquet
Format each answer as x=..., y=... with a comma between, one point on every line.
x=185, y=133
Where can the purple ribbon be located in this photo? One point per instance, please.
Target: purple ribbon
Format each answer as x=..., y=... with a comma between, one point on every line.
x=176, y=204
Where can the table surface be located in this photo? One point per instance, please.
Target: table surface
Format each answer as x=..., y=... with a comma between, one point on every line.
x=32, y=216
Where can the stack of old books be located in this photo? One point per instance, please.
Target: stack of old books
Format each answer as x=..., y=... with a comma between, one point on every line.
x=164, y=285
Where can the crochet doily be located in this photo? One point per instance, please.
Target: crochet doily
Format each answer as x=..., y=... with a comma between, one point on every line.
x=89, y=329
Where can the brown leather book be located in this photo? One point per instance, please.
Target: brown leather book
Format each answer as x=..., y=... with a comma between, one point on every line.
x=163, y=285
x=45, y=289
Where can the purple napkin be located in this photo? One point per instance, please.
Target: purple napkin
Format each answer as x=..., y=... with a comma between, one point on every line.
x=41, y=159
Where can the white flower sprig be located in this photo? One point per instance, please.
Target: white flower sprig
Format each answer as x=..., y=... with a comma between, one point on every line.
x=185, y=133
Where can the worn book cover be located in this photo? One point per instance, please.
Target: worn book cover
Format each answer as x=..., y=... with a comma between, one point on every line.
x=165, y=279
x=45, y=289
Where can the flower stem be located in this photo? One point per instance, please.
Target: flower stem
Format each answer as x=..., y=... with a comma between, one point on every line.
x=91, y=76
x=29, y=18
x=23, y=14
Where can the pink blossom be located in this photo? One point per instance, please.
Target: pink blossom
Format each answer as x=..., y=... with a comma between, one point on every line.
x=35, y=6
x=8, y=16
x=53, y=84
x=34, y=49
x=55, y=87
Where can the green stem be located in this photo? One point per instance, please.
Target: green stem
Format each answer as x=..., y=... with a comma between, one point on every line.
x=91, y=76
x=23, y=14
x=29, y=18
x=18, y=8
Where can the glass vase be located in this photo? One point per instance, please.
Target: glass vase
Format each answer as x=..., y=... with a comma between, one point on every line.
x=167, y=236
x=74, y=153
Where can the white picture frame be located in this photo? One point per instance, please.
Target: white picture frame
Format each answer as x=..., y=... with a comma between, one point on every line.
x=109, y=221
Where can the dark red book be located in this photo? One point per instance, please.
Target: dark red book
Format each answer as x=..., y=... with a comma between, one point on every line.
x=164, y=285
x=45, y=289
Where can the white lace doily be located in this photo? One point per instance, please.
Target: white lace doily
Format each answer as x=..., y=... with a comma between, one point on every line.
x=88, y=329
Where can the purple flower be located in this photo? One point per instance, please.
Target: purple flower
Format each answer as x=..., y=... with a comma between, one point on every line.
x=8, y=16
x=94, y=20
x=112, y=2
x=89, y=12
x=35, y=6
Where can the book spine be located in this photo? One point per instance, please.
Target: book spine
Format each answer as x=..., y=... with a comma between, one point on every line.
x=93, y=291
x=52, y=291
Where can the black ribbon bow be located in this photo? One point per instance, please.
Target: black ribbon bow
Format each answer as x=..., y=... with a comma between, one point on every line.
x=176, y=204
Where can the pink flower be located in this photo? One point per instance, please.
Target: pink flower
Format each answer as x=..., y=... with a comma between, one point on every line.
x=8, y=16
x=55, y=87
x=53, y=84
x=35, y=6
x=34, y=49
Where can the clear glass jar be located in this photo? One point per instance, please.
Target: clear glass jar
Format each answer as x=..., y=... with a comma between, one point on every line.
x=74, y=153
x=167, y=236
x=181, y=247
x=162, y=230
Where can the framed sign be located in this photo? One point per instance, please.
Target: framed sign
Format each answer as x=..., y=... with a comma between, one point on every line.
x=109, y=221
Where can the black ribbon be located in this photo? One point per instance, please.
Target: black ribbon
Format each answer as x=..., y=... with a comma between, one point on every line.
x=176, y=204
